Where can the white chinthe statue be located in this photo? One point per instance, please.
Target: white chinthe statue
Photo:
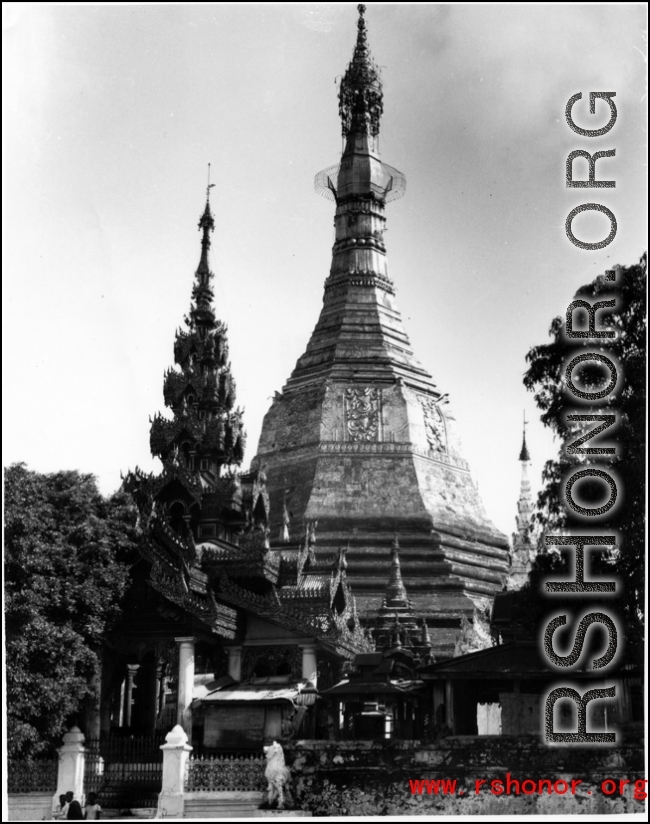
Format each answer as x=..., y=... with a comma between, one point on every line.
x=278, y=776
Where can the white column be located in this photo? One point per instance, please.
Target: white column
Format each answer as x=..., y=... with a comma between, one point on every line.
x=185, y=683
x=234, y=662
x=71, y=767
x=171, y=801
x=309, y=668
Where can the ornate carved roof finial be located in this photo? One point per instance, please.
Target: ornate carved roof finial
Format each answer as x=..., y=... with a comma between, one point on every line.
x=524, y=455
x=360, y=94
x=361, y=25
x=395, y=589
x=311, y=541
x=210, y=185
x=206, y=225
x=425, y=639
x=286, y=520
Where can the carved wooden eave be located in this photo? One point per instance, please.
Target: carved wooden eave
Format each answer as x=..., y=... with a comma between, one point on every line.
x=241, y=563
x=186, y=426
x=188, y=341
x=255, y=495
x=175, y=469
x=179, y=384
x=201, y=581
x=342, y=633
x=178, y=587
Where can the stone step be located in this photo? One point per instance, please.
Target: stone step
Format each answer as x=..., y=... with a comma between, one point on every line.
x=223, y=804
x=233, y=805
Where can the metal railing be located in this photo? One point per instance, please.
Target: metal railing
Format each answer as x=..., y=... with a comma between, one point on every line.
x=124, y=773
x=226, y=772
x=32, y=776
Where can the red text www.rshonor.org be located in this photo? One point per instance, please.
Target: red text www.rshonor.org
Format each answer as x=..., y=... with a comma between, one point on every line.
x=527, y=786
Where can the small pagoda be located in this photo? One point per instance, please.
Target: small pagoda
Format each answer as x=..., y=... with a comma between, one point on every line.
x=522, y=547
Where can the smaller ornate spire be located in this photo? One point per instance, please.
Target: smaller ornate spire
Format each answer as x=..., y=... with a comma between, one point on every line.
x=425, y=639
x=522, y=550
x=524, y=455
x=206, y=224
x=395, y=590
x=201, y=311
x=286, y=520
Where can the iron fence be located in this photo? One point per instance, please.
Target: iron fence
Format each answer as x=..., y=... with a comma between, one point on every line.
x=32, y=776
x=124, y=773
x=226, y=772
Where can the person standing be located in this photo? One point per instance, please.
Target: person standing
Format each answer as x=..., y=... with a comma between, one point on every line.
x=61, y=811
x=92, y=810
x=74, y=808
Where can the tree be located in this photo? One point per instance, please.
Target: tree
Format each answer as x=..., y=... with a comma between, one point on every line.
x=546, y=378
x=67, y=557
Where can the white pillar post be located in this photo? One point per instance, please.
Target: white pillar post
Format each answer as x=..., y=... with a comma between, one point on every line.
x=185, y=683
x=71, y=767
x=234, y=662
x=309, y=668
x=171, y=801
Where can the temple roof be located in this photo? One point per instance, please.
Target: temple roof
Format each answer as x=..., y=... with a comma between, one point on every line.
x=520, y=658
x=253, y=692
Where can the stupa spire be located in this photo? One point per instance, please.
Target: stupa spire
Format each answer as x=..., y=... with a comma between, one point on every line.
x=201, y=312
x=525, y=503
x=207, y=429
x=522, y=550
x=360, y=93
x=524, y=455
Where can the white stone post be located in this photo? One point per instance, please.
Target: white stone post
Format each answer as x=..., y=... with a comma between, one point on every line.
x=71, y=767
x=234, y=662
x=309, y=668
x=171, y=801
x=185, y=683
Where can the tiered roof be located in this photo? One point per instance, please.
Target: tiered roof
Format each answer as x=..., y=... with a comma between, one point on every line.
x=204, y=525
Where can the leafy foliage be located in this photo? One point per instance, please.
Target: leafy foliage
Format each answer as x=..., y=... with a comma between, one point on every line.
x=67, y=556
x=546, y=378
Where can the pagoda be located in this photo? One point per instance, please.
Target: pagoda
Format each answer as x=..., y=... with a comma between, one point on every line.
x=210, y=603
x=522, y=549
x=361, y=440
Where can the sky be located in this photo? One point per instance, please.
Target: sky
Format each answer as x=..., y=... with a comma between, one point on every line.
x=113, y=112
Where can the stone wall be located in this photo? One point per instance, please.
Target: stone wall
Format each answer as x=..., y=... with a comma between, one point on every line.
x=337, y=778
x=30, y=806
x=520, y=713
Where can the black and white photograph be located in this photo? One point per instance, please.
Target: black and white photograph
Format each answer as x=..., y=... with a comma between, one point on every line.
x=325, y=411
